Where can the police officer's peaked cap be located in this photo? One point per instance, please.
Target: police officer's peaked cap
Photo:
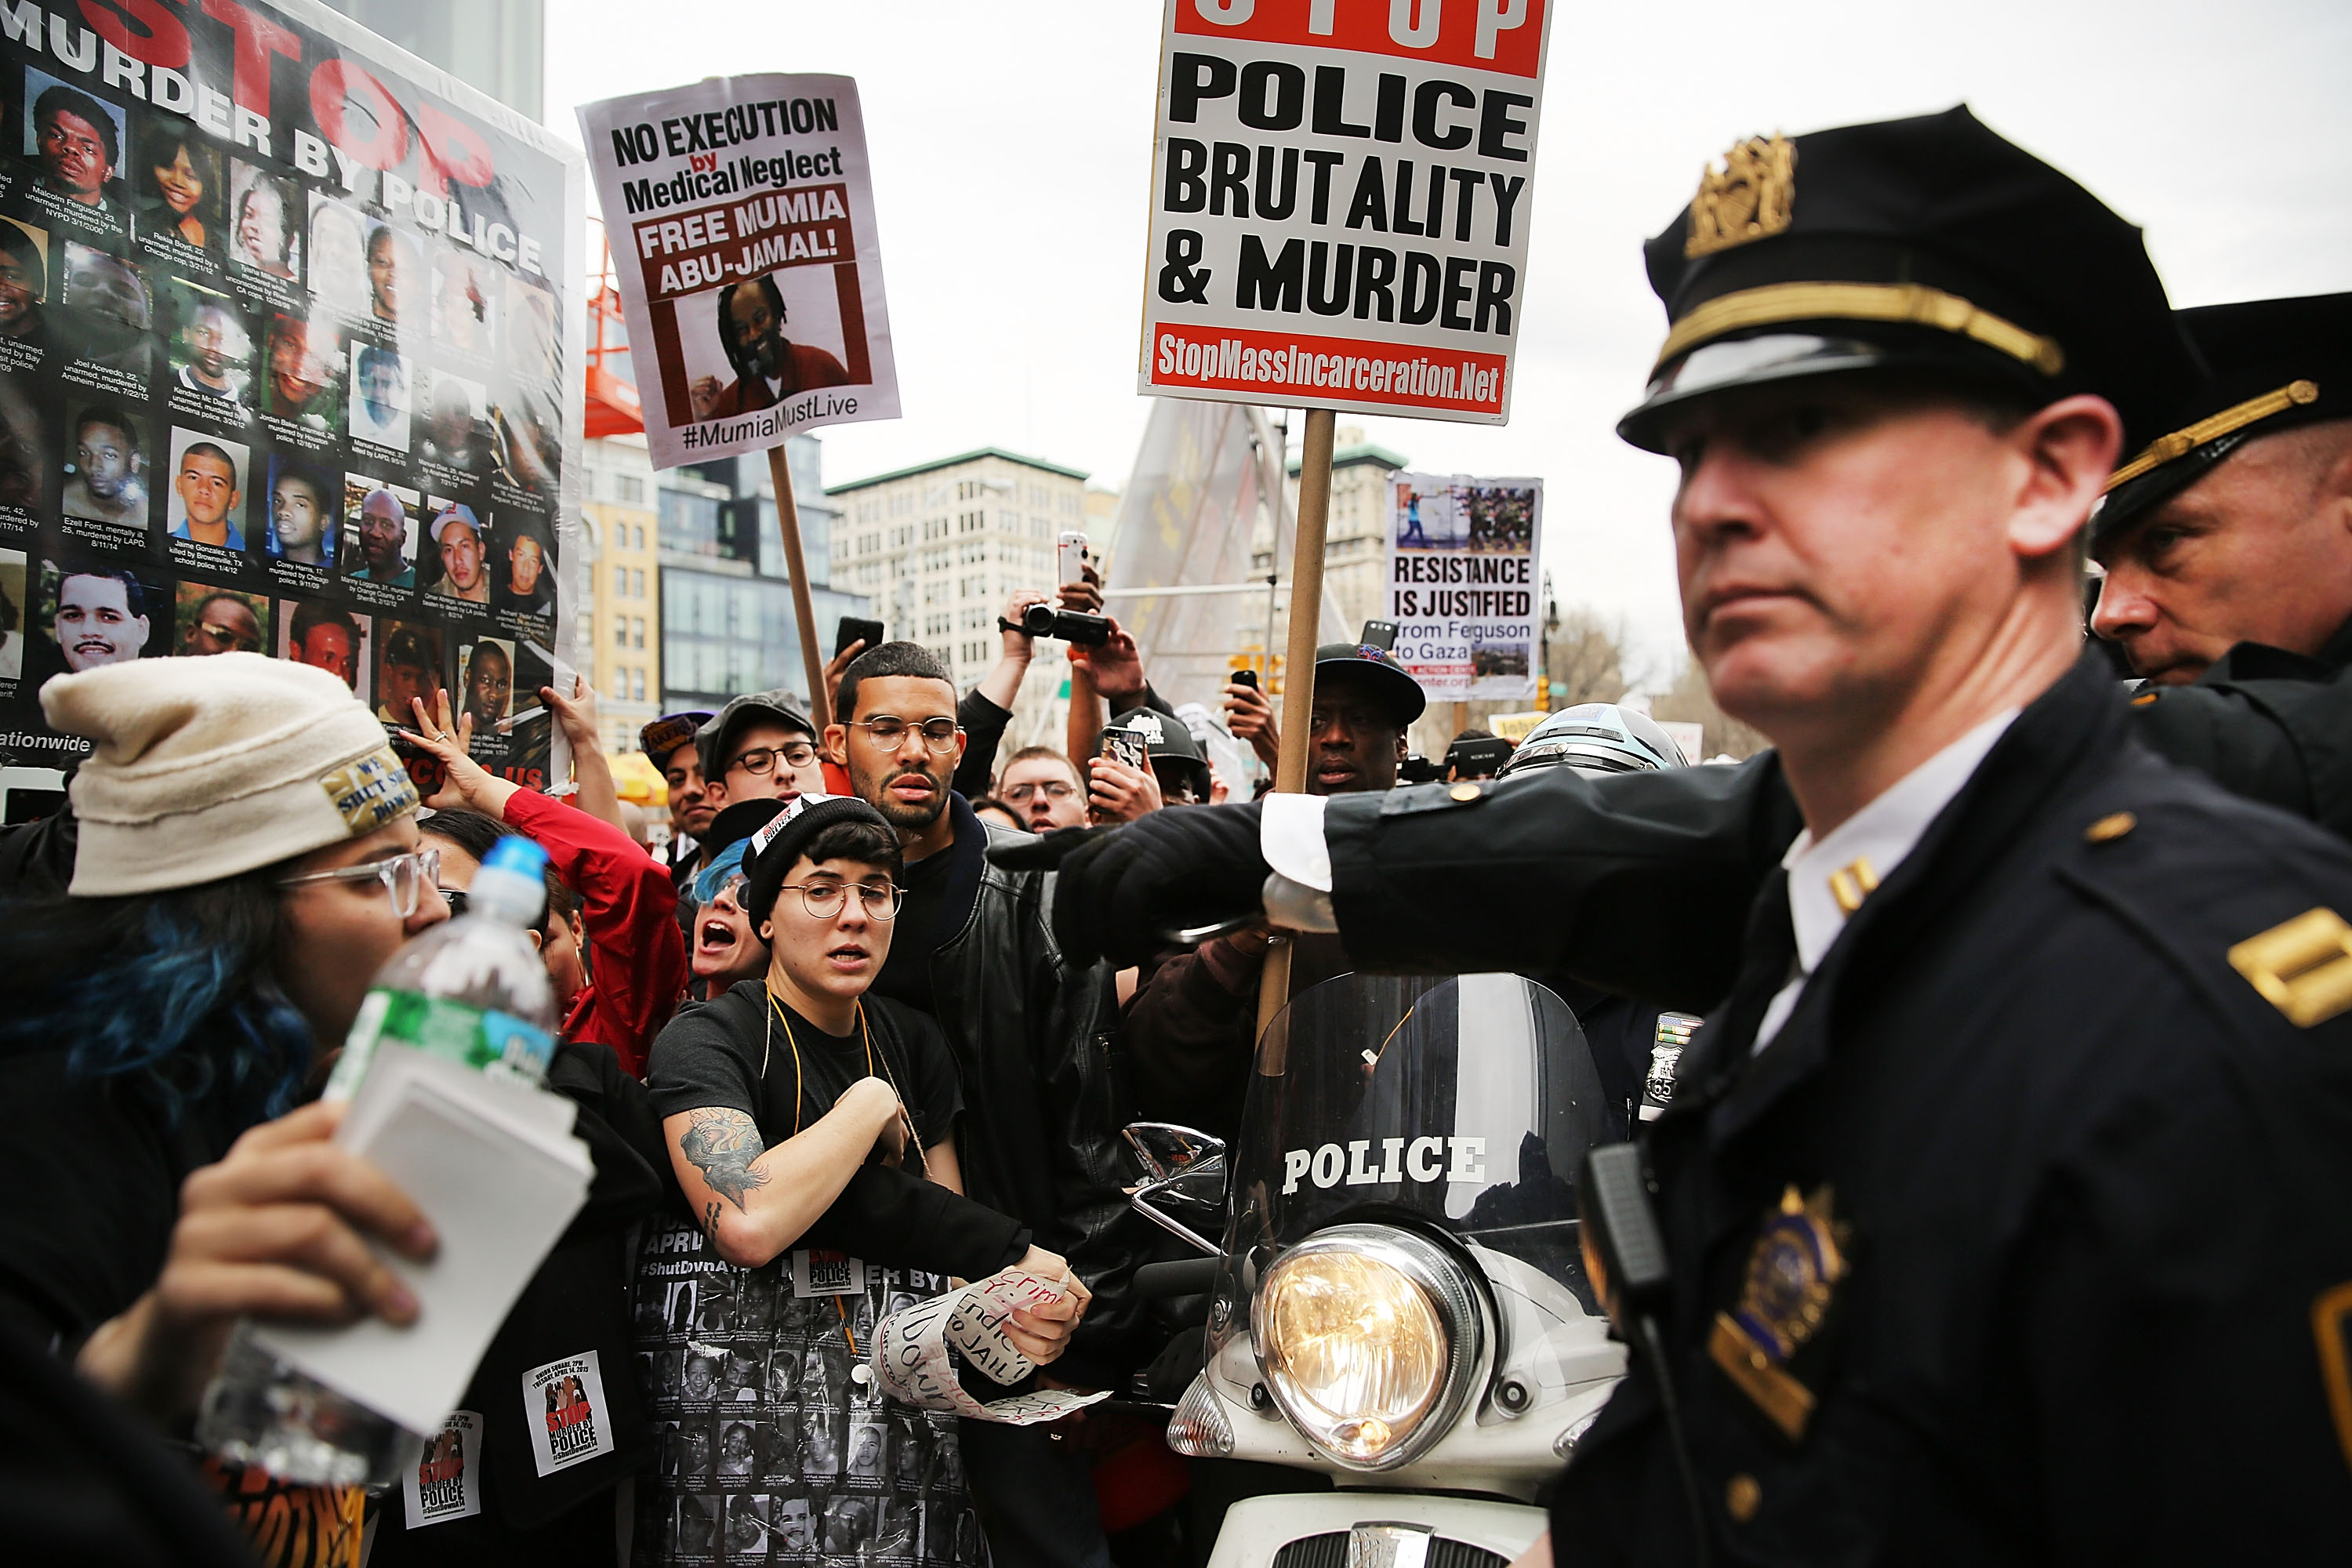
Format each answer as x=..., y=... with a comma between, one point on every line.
x=1930, y=245
x=1394, y=686
x=2274, y=364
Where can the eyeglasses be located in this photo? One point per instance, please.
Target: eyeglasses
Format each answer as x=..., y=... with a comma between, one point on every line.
x=761, y=760
x=405, y=878
x=824, y=900
x=939, y=734
x=1052, y=789
x=458, y=901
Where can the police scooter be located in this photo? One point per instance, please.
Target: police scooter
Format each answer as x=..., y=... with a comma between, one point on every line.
x=1399, y=1299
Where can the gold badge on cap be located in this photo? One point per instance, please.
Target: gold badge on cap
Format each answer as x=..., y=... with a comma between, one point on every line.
x=371, y=791
x=1800, y=1257
x=1750, y=198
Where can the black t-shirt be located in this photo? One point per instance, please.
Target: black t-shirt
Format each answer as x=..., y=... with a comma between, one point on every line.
x=712, y=1054
x=92, y=1170
x=906, y=974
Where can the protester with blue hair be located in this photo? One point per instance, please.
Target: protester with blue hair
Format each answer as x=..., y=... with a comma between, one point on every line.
x=248, y=857
x=723, y=946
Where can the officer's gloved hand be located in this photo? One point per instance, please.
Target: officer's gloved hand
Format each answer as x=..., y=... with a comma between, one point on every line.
x=1123, y=890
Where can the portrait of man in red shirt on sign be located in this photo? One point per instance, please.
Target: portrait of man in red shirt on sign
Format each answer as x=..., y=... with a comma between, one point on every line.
x=769, y=368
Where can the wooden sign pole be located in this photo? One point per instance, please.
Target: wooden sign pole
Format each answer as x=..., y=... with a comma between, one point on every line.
x=788, y=517
x=1298, y=661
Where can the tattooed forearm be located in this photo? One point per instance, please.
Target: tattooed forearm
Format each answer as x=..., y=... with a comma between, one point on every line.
x=710, y=1222
x=722, y=1144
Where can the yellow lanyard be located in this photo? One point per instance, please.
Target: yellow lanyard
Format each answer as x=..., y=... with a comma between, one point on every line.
x=777, y=1013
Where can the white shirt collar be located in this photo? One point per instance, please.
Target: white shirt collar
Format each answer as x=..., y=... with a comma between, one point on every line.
x=1864, y=850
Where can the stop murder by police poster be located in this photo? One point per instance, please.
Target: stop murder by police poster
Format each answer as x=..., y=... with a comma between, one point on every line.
x=1341, y=194
x=741, y=218
x=289, y=328
x=1462, y=583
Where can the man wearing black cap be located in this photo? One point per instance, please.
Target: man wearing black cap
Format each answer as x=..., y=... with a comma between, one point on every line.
x=2005, y=1175
x=668, y=744
x=2227, y=550
x=760, y=747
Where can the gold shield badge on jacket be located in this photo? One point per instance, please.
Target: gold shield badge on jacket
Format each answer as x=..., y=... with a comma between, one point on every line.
x=1793, y=1275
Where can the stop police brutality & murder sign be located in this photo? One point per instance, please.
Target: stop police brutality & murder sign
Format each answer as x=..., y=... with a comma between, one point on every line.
x=1340, y=199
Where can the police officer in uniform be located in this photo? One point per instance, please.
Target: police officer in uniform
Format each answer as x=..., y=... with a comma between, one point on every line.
x=2228, y=548
x=2002, y=1193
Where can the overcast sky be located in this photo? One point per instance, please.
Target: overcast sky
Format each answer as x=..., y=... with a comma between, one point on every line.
x=1012, y=149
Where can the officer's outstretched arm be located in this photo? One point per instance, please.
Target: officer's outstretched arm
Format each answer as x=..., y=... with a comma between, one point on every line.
x=1637, y=883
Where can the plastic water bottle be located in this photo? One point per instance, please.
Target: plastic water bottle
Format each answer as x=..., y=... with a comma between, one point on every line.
x=473, y=989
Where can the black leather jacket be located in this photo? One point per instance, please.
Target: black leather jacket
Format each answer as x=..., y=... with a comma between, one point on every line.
x=1042, y=1098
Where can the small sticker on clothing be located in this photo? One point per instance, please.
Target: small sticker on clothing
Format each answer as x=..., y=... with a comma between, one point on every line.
x=819, y=1273
x=564, y=1408
x=447, y=1483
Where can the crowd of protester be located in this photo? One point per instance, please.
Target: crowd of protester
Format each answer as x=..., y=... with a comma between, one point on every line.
x=822, y=1020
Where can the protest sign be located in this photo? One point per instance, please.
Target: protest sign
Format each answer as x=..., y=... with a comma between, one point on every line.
x=1461, y=579
x=289, y=330
x=742, y=216
x=1341, y=194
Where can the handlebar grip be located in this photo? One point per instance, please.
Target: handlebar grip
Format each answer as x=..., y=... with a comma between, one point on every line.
x=1185, y=1277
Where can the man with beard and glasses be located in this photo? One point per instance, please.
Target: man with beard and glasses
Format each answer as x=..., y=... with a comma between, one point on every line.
x=110, y=482
x=1040, y=1130
x=769, y=368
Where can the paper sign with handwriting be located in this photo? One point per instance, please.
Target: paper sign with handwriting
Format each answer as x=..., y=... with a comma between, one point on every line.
x=914, y=1348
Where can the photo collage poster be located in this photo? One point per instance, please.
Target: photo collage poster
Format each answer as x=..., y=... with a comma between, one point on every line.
x=289, y=364
x=777, y=1445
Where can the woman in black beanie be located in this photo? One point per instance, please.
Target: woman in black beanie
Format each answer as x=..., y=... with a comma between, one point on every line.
x=810, y=1129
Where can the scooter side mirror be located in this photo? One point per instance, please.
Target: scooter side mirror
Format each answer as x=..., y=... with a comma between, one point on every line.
x=1165, y=1149
x=1199, y=1190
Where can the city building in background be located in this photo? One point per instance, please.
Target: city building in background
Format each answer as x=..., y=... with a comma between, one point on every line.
x=497, y=46
x=725, y=622
x=619, y=571
x=940, y=546
x=1355, y=547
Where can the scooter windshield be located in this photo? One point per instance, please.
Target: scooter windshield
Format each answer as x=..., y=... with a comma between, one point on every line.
x=1463, y=1103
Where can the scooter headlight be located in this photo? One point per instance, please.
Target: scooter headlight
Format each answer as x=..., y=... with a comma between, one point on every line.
x=1371, y=1339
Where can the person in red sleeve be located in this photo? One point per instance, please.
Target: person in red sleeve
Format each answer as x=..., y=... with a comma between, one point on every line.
x=623, y=988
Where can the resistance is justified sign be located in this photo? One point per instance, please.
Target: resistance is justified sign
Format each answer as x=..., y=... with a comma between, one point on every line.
x=1340, y=199
x=742, y=218
x=1462, y=584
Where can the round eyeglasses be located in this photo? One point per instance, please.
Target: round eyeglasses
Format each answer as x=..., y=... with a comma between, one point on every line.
x=761, y=761
x=405, y=878
x=889, y=733
x=824, y=900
